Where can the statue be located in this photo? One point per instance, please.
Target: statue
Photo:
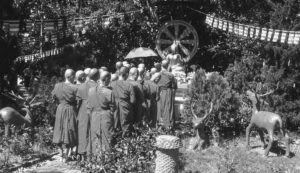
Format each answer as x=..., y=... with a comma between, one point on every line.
x=265, y=121
x=176, y=63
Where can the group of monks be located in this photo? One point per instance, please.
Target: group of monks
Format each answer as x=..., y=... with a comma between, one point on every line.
x=94, y=104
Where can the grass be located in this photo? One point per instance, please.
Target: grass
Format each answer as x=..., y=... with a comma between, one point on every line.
x=233, y=157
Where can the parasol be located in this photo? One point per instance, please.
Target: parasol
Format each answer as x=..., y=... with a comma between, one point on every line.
x=141, y=52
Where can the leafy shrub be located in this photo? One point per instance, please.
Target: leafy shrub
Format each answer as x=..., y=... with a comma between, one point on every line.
x=130, y=154
x=226, y=115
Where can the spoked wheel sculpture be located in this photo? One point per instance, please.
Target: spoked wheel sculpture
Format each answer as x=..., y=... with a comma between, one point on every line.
x=177, y=37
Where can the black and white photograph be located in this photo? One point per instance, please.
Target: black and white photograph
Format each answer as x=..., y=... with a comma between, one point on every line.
x=149, y=86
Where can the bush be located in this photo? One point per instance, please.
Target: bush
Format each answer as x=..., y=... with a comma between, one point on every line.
x=130, y=154
x=227, y=115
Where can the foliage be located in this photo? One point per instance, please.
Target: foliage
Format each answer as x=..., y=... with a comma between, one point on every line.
x=112, y=42
x=226, y=114
x=129, y=154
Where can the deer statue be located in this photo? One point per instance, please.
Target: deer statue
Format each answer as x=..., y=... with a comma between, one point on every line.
x=265, y=121
x=10, y=116
x=202, y=138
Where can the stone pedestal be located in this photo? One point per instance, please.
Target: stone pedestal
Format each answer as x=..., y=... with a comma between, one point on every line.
x=167, y=154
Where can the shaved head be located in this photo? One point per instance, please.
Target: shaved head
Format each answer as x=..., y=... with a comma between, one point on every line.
x=127, y=65
x=153, y=70
x=155, y=77
x=114, y=77
x=119, y=65
x=141, y=66
x=124, y=63
x=133, y=71
x=141, y=70
x=80, y=77
x=79, y=74
x=87, y=71
x=141, y=73
x=157, y=66
x=70, y=75
x=147, y=76
x=94, y=74
x=124, y=72
x=105, y=78
x=165, y=64
x=104, y=75
x=104, y=68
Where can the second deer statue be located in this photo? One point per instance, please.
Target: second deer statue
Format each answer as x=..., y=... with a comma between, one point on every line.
x=265, y=121
x=10, y=116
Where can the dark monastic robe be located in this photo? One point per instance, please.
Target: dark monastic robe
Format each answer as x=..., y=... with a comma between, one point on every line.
x=165, y=106
x=83, y=118
x=125, y=98
x=100, y=107
x=65, y=128
x=140, y=107
x=152, y=99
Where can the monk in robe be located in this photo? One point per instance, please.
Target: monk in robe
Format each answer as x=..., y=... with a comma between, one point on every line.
x=83, y=117
x=140, y=107
x=125, y=98
x=167, y=86
x=153, y=98
x=145, y=89
x=65, y=128
x=101, y=107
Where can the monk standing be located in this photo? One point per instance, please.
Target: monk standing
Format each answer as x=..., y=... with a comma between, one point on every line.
x=153, y=98
x=140, y=107
x=167, y=86
x=83, y=117
x=65, y=133
x=125, y=98
x=101, y=107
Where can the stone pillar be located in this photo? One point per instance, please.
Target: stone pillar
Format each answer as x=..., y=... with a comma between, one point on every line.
x=167, y=154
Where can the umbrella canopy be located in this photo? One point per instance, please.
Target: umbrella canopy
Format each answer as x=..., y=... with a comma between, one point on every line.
x=140, y=52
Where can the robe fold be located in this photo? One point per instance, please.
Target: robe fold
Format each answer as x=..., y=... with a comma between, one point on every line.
x=100, y=107
x=65, y=128
x=124, y=98
x=152, y=99
x=165, y=106
x=139, y=109
x=83, y=118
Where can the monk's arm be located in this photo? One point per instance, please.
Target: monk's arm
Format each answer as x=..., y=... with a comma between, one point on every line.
x=89, y=106
x=157, y=94
x=78, y=99
x=112, y=103
x=132, y=95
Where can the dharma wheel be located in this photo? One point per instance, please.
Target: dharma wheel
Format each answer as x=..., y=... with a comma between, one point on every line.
x=177, y=37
